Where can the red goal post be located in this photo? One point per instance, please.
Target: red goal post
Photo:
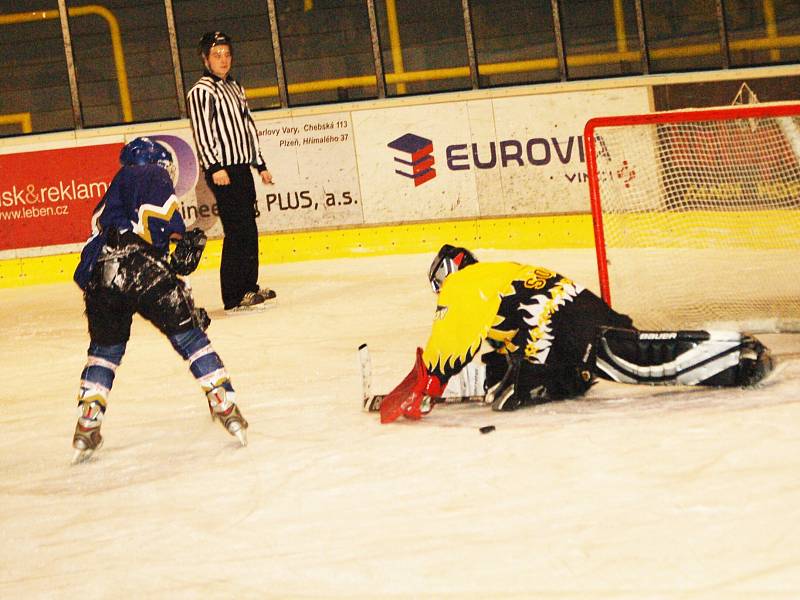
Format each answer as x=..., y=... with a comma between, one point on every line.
x=696, y=215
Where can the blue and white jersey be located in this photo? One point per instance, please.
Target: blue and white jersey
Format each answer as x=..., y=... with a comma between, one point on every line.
x=141, y=199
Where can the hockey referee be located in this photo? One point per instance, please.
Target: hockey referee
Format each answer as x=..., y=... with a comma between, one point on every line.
x=227, y=144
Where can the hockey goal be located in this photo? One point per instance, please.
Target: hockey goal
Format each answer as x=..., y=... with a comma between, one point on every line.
x=697, y=216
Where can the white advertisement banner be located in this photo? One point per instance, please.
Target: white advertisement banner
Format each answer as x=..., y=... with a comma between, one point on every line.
x=506, y=156
x=401, y=158
x=540, y=148
x=313, y=165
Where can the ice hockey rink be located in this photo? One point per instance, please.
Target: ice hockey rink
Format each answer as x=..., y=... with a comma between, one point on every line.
x=631, y=492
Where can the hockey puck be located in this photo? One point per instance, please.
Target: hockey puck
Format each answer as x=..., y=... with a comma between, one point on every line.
x=487, y=429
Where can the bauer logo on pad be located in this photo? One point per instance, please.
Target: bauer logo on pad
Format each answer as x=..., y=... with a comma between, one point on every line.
x=414, y=159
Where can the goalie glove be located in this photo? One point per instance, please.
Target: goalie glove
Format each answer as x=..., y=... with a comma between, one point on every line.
x=188, y=251
x=413, y=397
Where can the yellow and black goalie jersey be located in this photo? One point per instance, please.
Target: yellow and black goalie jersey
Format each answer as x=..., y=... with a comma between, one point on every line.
x=509, y=304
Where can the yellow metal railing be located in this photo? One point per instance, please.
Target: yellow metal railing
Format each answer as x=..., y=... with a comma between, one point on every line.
x=394, y=44
x=521, y=66
x=24, y=120
x=116, y=43
x=772, y=28
x=772, y=42
x=770, y=25
x=619, y=26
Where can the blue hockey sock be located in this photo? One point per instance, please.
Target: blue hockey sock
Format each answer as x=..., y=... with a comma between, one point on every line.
x=97, y=376
x=204, y=363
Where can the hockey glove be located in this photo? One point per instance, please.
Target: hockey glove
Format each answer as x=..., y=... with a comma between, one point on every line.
x=201, y=319
x=413, y=397
x=188, y=251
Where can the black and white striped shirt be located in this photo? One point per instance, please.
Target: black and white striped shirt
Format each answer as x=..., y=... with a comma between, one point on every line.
x=224, y=131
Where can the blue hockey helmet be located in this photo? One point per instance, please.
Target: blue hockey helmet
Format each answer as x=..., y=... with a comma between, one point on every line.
x=449, y=260
x=145, y=151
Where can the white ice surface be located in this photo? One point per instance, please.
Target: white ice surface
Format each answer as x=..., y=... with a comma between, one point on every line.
x=632, y=492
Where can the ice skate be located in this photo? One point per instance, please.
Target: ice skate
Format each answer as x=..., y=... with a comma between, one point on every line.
x=87, y=436
x=270, y=296
x=252, y=301
x=502, y=396
x=228, y=413
x=755, y=362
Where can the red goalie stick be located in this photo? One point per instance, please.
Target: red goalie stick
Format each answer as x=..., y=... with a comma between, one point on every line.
x=372, y=402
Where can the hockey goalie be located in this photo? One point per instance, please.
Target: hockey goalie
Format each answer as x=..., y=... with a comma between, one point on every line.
x=551, y=339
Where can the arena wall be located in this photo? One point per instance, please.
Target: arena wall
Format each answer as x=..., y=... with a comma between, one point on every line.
x=500, y=168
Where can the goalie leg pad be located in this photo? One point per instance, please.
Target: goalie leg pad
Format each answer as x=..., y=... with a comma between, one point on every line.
x=719, y=358
x=469, y=381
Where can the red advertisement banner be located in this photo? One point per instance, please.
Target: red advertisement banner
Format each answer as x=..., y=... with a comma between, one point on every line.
x=47, y=197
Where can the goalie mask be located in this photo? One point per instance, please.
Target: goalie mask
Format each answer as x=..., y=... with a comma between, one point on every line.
x=145, y=151
x=449, y=260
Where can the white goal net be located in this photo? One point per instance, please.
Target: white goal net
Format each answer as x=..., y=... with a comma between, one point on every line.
x=697, y=216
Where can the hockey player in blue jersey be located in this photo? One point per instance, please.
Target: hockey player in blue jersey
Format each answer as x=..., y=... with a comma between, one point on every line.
x=550, y=339
x=126, y=268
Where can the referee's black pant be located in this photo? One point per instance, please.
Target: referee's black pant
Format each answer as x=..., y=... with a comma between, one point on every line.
x=238, y=273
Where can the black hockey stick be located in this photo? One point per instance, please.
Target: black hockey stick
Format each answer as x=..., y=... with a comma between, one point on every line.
x=372, y=402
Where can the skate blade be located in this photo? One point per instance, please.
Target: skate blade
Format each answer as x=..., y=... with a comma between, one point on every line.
x=81, y=455
x=240, y=432
x=241, y=435
x=254, y=308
